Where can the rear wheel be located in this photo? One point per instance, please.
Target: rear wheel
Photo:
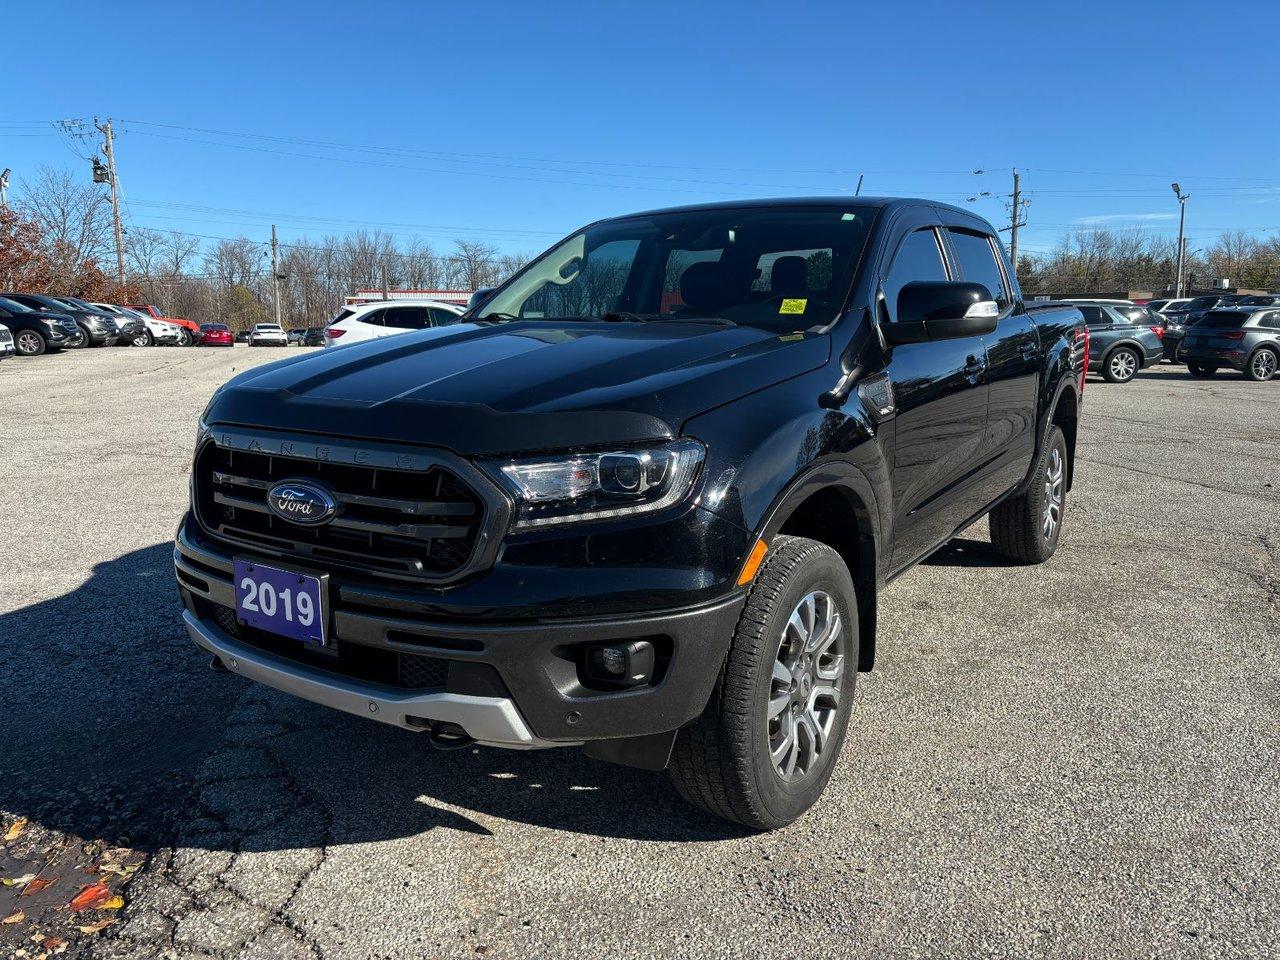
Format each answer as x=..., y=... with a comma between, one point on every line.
x=29, y=343
x=764, y=748
x=1121, y=365
x=1262, y=365
x=1201, y=370
x=1027, y=529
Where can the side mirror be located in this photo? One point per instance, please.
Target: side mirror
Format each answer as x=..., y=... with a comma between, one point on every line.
x=942, y=310
x=480, y=296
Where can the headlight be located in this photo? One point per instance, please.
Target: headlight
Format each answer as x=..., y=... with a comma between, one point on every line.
x=597, y=486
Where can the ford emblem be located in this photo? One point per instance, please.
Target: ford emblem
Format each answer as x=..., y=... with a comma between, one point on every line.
x=302, y=502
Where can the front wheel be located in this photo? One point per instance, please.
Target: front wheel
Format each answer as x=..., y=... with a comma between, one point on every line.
x=1262, y=365
x=1203, y=371
x=185, y=339
x=1026, y=529
x=143, y=339
x=1121, y=365
x=29, y=343
x=764, y=748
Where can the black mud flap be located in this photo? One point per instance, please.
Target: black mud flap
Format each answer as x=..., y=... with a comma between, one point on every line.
x=649, y=752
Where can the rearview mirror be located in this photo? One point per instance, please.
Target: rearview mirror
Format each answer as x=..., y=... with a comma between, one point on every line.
x=942, y=310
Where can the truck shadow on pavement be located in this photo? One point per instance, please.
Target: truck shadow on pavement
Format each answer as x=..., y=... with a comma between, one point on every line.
x=964, y=552
x=115, y=728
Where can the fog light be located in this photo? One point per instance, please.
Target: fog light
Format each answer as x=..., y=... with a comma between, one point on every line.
x=621, y=664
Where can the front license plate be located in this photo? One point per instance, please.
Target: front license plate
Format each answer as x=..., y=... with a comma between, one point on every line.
x=285, y=602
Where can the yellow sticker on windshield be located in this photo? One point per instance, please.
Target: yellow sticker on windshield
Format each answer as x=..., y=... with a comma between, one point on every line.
x=793, y=305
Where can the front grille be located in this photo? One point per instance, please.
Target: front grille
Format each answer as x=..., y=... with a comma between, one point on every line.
x=407, y=671
x=414, y=523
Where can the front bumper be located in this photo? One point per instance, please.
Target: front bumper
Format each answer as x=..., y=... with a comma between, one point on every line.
x=532, y=664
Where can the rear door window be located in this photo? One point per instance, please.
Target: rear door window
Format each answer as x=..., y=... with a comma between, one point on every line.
x=978, y=262
x=405, y=318
x=1094, y=317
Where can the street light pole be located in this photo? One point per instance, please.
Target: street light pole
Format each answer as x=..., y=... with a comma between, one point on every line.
x=1182, y=242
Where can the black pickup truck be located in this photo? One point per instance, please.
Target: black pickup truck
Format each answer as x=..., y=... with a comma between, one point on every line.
x=644, y=496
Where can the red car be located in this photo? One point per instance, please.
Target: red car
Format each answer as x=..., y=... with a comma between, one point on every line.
x=191, y=333
x=216, y=335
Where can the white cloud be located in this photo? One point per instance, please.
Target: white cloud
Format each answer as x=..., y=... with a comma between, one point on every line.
x=1125, y=217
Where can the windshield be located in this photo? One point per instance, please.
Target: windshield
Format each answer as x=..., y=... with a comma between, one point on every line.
x=1259, y=301
x=1200, y=303
x=779, y=268
x=13, y=306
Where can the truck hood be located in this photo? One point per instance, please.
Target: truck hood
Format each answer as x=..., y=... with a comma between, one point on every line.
x=520, y=386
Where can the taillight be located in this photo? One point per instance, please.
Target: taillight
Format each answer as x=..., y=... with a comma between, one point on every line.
x=1158, y=331
x=333, y=333
x=1082, y=343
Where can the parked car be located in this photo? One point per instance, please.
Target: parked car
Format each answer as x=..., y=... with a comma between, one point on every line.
x=1260, y=300
x=189, y=332
x=98, y=328
x=6, y=343
x=1246, y=339
x=314, y=337
x=267, y=335
x=385, y=318
x=216, y=335
x=1163, y=306
x=647, y=508
x=157, y=331
x=128, y=328
x=296, y=334
x=242, y=336
x=1123, y=339
x=36, y=331
x=134, y=328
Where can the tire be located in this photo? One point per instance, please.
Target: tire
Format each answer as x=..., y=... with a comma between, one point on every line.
x=1262, y=365
x=1201, y=370
x=1121, y=365
x=30, y=343
x=1027, y=529
x=143, y=339
x=724, y=761
x=185, y=339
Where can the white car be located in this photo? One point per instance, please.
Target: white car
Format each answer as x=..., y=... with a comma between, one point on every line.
x=267, y=335
x=6, y=342
x=385, y=318
x=1167, y=306
x=161, y=332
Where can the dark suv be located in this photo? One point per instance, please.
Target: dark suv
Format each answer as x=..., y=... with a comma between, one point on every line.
x=98, y=328
x=1123, y=338
x=1245, y=339
x=644, y=498
x=36, y=332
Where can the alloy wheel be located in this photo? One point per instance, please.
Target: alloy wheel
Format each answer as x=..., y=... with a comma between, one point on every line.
x=1123, y=365
x=806, y=687
x=28, y=343
x=1053, y=477
x=1264, y=365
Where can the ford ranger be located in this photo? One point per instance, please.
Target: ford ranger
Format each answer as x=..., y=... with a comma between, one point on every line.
x=642, y=498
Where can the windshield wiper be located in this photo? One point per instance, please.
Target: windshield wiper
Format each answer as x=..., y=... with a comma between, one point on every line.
x=663, y=318
x=496, y=318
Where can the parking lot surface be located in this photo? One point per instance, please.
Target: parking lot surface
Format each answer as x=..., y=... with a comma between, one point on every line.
x=1078, y=759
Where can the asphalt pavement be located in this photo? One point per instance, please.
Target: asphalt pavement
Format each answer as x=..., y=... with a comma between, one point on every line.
x=1077, y=759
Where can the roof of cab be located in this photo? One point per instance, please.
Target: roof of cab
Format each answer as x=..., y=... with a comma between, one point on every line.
x=835, y=202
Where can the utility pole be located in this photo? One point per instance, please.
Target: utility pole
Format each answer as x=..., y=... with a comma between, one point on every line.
x=1182, y=237
x=275, y=271
x=4, y=189
x=1016, y=220
x=386, y=294
x=108, y=147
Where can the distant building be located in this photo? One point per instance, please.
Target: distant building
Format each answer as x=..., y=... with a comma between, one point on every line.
x=460, y=297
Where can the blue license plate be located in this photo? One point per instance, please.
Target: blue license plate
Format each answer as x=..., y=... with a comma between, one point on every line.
x=284, y=602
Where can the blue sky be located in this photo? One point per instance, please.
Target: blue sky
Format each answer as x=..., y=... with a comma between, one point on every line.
x=515, y=123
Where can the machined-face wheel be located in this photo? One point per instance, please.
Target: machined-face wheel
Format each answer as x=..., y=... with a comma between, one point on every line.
x=28, y=343
x=1123, y=365
x=1263, y=365
x=1054, y=473
x=805, y=692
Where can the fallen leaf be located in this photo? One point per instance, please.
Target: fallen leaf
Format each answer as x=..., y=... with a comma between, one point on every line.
x=35, y=886
x=113, y=903
x=15, y=829
x=127, y=870
x=15, y=917
x=91, y=897
x=97, y=927
x=18, y=881
x=54, y=944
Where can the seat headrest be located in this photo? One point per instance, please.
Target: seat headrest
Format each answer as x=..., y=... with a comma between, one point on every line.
x=790, y=276
x=705, y=286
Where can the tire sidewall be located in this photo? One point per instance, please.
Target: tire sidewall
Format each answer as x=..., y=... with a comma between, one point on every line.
x=41, y=348
x=824, y=571
x=1248, y=369
x=1106, y=365
x=1054, y=441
